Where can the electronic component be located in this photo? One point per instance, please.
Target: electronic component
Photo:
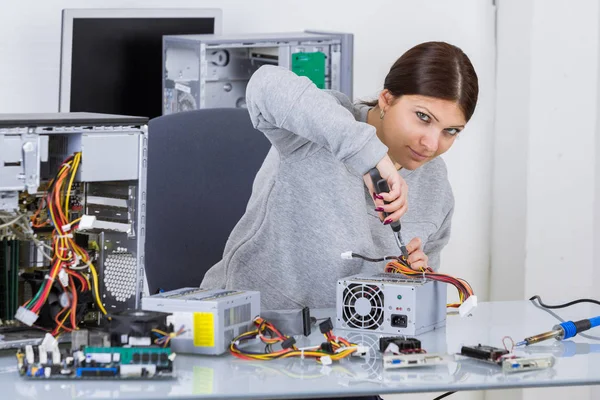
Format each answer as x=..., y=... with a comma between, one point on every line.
x=390, y=304
x=208, y=71
x=484, y=353
x=96, y=362
x=212, y=317
x=520, y=364
x=72, y=221
x=392, y=361
x=292, y=322
x=133, y=353
x=403, y=344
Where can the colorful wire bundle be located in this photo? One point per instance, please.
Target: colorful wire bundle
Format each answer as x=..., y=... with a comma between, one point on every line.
x=67, y=256
x=164, y=338
x=401, y=266
x=335, y=348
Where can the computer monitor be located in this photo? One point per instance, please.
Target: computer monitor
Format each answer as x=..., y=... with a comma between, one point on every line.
x=111, y=59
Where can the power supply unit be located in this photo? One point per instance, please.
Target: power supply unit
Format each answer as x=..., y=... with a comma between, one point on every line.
x=210, y=318
x=390, y=304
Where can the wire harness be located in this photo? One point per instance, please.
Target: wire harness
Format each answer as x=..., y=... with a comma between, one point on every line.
x=71, y=265
x=333, y=349
x=400, y=265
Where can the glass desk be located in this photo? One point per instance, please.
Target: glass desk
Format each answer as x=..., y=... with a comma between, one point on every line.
x=225, y=377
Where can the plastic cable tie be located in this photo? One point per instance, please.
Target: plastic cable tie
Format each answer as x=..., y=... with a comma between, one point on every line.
x=302, y=354
x=67, y=236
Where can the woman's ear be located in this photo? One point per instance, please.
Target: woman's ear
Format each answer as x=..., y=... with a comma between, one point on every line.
x=385, y=100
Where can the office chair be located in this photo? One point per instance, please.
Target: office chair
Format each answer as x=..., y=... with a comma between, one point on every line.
x=201, y=166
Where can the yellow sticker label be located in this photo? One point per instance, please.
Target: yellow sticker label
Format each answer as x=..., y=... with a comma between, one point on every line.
x=204, y=331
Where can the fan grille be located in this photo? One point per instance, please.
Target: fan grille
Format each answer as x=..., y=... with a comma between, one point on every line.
x=363, y=306
x=120, y=280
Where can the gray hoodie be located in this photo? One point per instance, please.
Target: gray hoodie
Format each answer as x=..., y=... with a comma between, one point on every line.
x=309, y=202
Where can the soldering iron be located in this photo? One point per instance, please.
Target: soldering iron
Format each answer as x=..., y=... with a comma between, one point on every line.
x=380, y=185
x=565, y=330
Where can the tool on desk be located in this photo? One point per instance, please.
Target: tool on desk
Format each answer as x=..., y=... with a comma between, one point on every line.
x=380, y=186
x=563, y=331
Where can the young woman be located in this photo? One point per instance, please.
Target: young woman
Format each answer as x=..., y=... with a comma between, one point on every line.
x=312, y=198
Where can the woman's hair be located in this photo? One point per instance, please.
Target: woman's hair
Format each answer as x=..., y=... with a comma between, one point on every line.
x=434, y=69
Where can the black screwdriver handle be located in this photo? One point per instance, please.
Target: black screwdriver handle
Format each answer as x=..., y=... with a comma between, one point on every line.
x=380, y=185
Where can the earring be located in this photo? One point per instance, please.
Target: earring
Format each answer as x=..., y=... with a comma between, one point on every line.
x=381, y=114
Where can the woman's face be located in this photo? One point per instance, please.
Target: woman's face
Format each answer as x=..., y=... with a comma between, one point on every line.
x=417, y=129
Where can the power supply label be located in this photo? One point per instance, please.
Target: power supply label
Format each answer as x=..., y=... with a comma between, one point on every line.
x=204, y=329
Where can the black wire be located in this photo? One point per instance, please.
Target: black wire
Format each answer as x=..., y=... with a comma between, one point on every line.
x=386, y=258
x=562, y=320
x=444, y=395
x=569, y=304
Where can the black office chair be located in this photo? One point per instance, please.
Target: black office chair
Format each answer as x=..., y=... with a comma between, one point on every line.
x=201, y=166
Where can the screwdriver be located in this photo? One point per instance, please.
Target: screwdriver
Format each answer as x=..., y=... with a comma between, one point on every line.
x=380, y=185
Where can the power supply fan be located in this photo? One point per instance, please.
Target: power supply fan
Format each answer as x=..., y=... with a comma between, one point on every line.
x=363, y=306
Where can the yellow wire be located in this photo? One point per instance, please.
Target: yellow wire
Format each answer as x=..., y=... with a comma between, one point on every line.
x=96, y=291
x=73, y=172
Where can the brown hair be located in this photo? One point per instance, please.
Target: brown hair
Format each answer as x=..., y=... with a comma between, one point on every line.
x=434, y=69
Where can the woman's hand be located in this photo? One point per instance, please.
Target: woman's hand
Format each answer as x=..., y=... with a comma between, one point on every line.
x=416, y=258
x=397, y=196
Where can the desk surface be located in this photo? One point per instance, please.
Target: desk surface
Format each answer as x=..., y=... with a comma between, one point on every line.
x=224, y=377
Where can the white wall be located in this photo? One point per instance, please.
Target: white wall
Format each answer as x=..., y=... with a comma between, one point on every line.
x=545, y=149
x=546, y=171
x=383, y=29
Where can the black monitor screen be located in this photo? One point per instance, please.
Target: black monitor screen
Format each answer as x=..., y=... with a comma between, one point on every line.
x=117, y=63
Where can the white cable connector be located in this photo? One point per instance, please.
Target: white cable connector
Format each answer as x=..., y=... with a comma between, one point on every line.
x=66, y=228
x=347, y=255
x=361, y=351
x=468, y=306
x=86, y=222
x=49, y=343
x=392, y=348
x=63, y=277
x=26, y=316
x=326, y=360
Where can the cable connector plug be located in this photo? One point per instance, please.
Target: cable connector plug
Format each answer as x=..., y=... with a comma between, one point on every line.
x=49, y=343
x=326, y=360
x=467, y=307
x=288, y=343
x=63, y=277
x=361, y=351
x=392, y=348
x=327, y=347
x=326, y=326
x=26, y=316
x=347, y=255
x=86, y=222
